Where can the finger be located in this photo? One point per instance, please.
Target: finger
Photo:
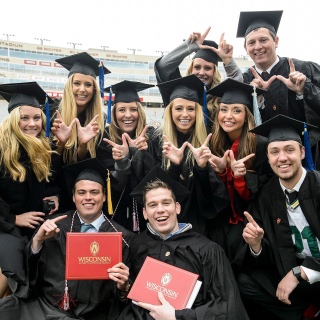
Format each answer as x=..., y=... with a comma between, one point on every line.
x=231, y=155
x=58, y=114
x=255, y=73
x=184, y=146
x=226, y=154
x=161, y=298
x=291, y=64
x=94, y=119
x=206, y=32
x=274, y=77
x=59, y=218
x=165, y=138
x=144, y=131
x=250, y=219
x=206, y=142
x=113, y=144
x=281, y=78
x=247, y=157
x=222, y=37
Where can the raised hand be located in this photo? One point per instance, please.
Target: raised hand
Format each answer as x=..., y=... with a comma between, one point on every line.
x=91, y=130
x=163, y=312
x=259, y=82
x=47, y=230
x=140, y=142
x=238, y=166
x=61, y=130
x=224, y=51
x=252, y=233
x=198, y=38
x=119, y=151
x=174, y=154
x=296, y=79
x=218, y=164
x=202, y=154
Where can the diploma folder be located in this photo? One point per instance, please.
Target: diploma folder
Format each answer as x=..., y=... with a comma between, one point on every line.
x=179, y=287
x=89, y=255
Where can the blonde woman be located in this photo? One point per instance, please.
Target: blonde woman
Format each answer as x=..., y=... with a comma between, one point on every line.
x=26, y=173
x=180, y=147
x=80, y=121
x=204, y=65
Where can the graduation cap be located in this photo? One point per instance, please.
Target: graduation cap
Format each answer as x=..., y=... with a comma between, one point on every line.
x=283, y=128
x=127, y=91
x=24, y=94
x=89, y=169
x=82, y=63
x=232, y=91
x=179, y=190
x=208, y=54
x=27, y=94
x=251, y=20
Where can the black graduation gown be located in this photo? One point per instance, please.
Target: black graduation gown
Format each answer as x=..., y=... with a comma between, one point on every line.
x=18, y=198
x=94, y=299
x=218, y=297
x=280, y=100
x=208, y=194
x=278, y=254
x=124, y=206
x=228, y=235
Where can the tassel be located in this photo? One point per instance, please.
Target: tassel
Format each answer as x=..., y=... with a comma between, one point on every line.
x=65, y=302
x=101, y=79
x=309, y=160
x=48, y=123
x=109, y=106
x=256, y=112
x=109, y=200
x=135, y=219
x=204, y=106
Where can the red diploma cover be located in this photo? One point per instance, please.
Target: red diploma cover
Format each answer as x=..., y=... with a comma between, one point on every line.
x=89, y=255
x=176, y=284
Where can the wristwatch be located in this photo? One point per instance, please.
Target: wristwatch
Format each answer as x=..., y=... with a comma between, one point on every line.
x=297, y=273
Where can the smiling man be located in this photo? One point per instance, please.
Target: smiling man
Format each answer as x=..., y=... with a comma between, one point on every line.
x=50, y=294
x=175, y=243
x=281, y=267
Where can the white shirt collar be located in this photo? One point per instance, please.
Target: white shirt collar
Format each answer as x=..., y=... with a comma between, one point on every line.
x=96, y=223
x=269, y=69
x=299, y=183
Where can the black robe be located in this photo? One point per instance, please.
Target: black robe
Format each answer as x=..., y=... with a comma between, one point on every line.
x=280, y=100
x=208, y=194
x=278, y=255
x=218, y=297
x=94, y=299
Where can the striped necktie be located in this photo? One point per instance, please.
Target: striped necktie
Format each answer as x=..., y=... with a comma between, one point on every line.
x=292, y=199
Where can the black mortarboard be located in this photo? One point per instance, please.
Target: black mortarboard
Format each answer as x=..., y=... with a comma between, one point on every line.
x=189, y=88
x=23, y=94
x=208, y=54
x=82, y=63
x=232, y=91
x=127, y=91
x=90, y=169
x=251, y=20
x=179, y=190
x=282, y=128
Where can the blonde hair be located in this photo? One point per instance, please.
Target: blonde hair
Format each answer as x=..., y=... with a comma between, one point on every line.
x=37, y=148
x=247, y=143
x=114, y=129
x=68, y=110
x=212, y=101
x=197, y=137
